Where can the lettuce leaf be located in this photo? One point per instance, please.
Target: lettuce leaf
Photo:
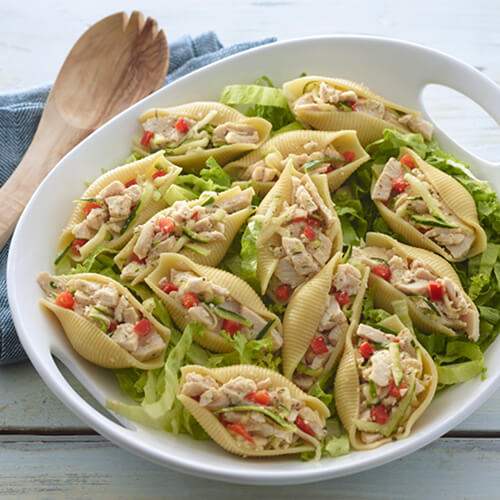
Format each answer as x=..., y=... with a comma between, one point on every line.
x=211, y=178
x=249, y=254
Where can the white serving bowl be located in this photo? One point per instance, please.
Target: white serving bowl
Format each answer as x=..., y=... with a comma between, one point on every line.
x=394, y=69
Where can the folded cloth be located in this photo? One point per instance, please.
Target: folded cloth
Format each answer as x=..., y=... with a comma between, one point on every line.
x=19, y=117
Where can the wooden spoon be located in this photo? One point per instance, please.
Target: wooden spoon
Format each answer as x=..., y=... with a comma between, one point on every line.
x=114, y=64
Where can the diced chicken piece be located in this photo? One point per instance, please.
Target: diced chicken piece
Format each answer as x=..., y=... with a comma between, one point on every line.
x=336, y=332
x=311, y=418
x=203, y=224
x=285, y=272
x=145, y=240
x=418, y=126
x=126, y=337
x=418, y=206
x=89, y=287
x=165, y=125
x=300, y=258
x=123, y=305
x=304, y=199
x=368, y=255
x=325, y=212
x=348, y=96
x=347, y=279
x=108, y=296
x=115, y=225
x=116, y=188
x=180, y=211
x=237, y=202
x=410, y=365
x=331, y=152
x=328, y=94
x=132, y=270
x=406, y=342
x=83, y=230
x=305, y=382
x=119, y=206
x=134, y=193
x=421, y=271
x=130, y=314
x=317, y=361
x=264, y=174
x=196, y=384
x=237, y=388
x=162, y=247
x=235, y=133
x=306, y=102
x=264, y=384
x=198, y=285
x=96, y=218
x=257, y=321
x=310, y=147
x=383, y=186
x=214, y=399
x=276, y=339
x=392, y=117
x=380, y=368
x=203, y=316
x=371, y=107
x=373, y=335
x=454, y=297
x=320, y=248
x=50, y=284
x=405, y=280
x=150, y=346
x=471, y=319
x=332, y=316
x=370, y=437
x=456, y=241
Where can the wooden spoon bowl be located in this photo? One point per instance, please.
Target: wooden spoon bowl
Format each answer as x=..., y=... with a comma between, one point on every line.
x=114, y=64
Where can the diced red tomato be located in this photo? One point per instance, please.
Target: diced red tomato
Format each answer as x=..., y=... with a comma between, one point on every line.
x=231, y=327
x=181, y=125
x=408, y=161
x=349, y=156
x=299, y=219
x=77, y=244
x=146, y=138
x=190, y=299
x=112, y=327
x=382, y=270
x=241, y=430
x=379, y=414
x=309, y=233
x=342, y=298
x=167, y=225
x=159, y=173
x=65, y=299
x=301, y=424
x=436, y=290
x=423, y=230
x=143, y=327
x=311, y=221
x=131, y=183
x=318, y=345
x=399, y=184
x=195, y=216
x=366, y=350
x=395, y=391
x=259, y=397
x=135, y=258
x=89, y=206
x=352, y=105
x=329, y=169
x=282, y=293
x=168, y=287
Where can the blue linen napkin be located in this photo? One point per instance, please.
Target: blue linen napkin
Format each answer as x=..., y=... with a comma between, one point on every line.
x=19, y=117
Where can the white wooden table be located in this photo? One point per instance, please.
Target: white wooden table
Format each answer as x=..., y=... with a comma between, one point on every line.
x=45, y=451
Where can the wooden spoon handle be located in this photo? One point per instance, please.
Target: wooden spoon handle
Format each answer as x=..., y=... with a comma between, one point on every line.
x=50, y=144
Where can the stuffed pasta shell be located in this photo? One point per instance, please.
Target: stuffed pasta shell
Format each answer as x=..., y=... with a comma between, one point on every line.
x=299, y=232
x=436, y=300
x=384, y=382
x=104, y=322
x=337, y=104
x=317, y=318
x=335, y=154
x=189, y=134
x=220, y=301
x=253, y=411
x=428, y=207
x=201, y=229
x=114, y=204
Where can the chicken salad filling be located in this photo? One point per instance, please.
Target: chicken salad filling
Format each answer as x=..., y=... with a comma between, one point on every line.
x=212, y=306
x=391, y=378
x=402, y=187
x=256, y=415
x=313, y=159
x=178, y=135
x=332, y=326
x=297, y=236
x=440, y=299
x=104, y=305
x=321, y=96
x=183, y=225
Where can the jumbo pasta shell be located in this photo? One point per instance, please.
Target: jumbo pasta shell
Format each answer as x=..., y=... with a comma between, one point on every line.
x=368, y=127
x=193, y=162
x=93, y=344
x=385, y=294
x=217, y=249
x=293, y=142
x=218, y=432
x=241, y=292
x=305, y=310
x=145, y=166
x=347, y=390
x=454, y=195
x=281, y=192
